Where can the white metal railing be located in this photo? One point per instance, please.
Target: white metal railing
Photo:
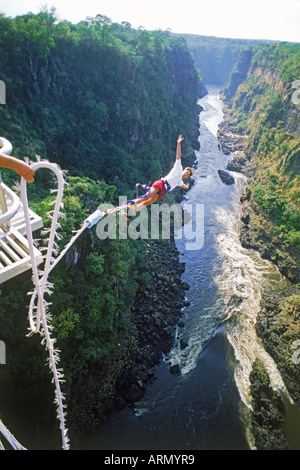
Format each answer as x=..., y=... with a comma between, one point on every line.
x=7, y=214
x=15, y=257
x=6, y=146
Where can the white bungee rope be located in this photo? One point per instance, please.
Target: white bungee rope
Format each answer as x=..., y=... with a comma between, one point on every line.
x=42, y=286
x=40, y=278
x=38, y=313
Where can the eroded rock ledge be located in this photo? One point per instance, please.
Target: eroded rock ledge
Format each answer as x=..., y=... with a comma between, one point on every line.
x=278, y=327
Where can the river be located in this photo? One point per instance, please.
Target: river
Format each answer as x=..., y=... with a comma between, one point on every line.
x=208, y=405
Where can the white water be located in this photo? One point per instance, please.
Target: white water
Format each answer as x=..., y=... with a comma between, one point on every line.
x=245, y=275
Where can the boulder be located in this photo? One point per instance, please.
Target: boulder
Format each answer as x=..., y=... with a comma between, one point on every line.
x=238, y=163
x=134, y=393
x=245, y=219
x=226, y=177
x=183, y=344
x=175, y=369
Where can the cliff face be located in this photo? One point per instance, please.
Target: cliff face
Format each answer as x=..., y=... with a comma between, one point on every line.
x=287, y=90
x=262, y=76
x=216, y=57
x=239, y=73
x=107, y=103
x=262, y=123
x=261, y=130
x=107, y=106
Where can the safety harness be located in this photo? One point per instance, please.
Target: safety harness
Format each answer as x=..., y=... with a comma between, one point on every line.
x=147, y=188
x=131, y=205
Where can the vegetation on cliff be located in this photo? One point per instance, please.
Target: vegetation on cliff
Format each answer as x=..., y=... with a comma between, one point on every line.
x=263, y=114
x=106, y=102
x=99, y=98
x=278, y=328
x=263, y=109
x=216, y=57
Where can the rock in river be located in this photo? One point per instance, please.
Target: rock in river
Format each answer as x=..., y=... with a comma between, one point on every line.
x=226, y=177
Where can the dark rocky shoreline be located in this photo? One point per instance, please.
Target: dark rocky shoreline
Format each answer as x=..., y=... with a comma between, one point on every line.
x=155, y=314
x=278, y=327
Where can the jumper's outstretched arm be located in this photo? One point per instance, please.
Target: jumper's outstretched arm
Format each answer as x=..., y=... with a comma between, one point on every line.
x=178, y=149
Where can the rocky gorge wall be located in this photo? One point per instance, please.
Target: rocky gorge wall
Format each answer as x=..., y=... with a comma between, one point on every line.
x=278, y=322
x=253, y=233
x=261, y=130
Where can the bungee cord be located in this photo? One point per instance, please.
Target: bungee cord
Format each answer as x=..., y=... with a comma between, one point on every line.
x=38, y=313
x=41, y=321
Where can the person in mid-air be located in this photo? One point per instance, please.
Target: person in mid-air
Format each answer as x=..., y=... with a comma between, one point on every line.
x=22, y=168
x=163, y=185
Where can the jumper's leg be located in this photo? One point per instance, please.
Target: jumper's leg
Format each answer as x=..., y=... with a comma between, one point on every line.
x=153, y=197
x=139, y=204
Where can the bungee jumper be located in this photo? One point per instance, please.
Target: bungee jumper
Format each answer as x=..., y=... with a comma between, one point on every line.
x=164, y=185
x=153, y=193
